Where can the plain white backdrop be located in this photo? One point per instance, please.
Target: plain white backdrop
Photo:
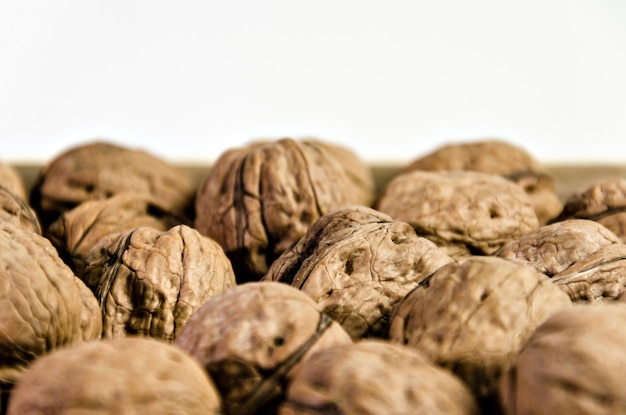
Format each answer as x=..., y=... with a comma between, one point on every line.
x=390, y=79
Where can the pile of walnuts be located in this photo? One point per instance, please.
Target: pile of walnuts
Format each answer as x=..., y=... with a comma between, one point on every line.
x=286, y=280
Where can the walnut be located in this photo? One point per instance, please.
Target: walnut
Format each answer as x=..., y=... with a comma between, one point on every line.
x=357, y=263
x=16, y=211
x=98, y=170
x=466, y=212
x=149, y=282
x=396, y=380
x=77, y=230
x=11, y=179
x=472, y=316
x=257, y=200
x=253, y=337
x=572, y=364
x=603, y=202
x=115, y=376
x=43, y=305
x=496, y=156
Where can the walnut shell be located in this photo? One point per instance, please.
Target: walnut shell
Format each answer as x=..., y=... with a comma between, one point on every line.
x=149, y=282
x=497, y=156
x=396, y=380
x=473, y=316
x=252, y=338
x=98, y=170
x=257, y=200
x=16, y=211
x=357, y=263
x=11, y=179
x=572, y=364
x=466, y=212
x=115, y=376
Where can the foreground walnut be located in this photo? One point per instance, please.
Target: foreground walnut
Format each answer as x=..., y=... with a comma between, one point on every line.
x=500, y=157
x=98, y=170
x=466, y=212
x=473, y=316
x=357, y=263
x=11, y=179
x=572, y=364
x=257, y=200
x=43, y=305
x=394, y=380
x=603, y=202
x=115, y=376
x=77, y=230
x=15, y=210
x=252, y=339
x=149, y=282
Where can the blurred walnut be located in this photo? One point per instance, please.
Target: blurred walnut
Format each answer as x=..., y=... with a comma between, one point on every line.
x=115, y=376
x=11, y=179
x=149, y=282
x=465, y=212
x=15, y=210
x=499, y=157
x=572, y=364
x=253, y=337
x=473, y=315
x=257, y=200
x=77, y=230
x=375, y=377
x=357, y=263
x=99, y=170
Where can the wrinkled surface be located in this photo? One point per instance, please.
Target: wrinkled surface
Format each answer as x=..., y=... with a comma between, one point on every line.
x=500, y=157
x=396, y=380
x=253, y=337
x=115, y=376
x=603, y=202
x=15, y=210
x=357, y=263
x=572, y=364
x=473, y=316
x=257, y=200
x=149, y=282
x=466, y=212
x=98, y=170
x=43, y=305
x=11, y=179
x=77, y=230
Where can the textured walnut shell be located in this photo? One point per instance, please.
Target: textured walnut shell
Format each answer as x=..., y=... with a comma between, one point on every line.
x=98, y=170
x=16, y=211
x=77, y=230
x=396, y=380
x=115, y=376
x=11, y=179
x=43, y=305
x=357, y=263
x=500, y=157
x=603, y=202
x=572, y=364
x=252, y=339
x=466, y=212
x=149, y=282
x=473, y=316
x=257, y=200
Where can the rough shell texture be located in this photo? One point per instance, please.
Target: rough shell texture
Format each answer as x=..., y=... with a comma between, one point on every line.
x=257, y=200
x=473, y=316
x=12, y=180
x=43, y=305
x=357, y=263
x=98, y=170
x=253, y=337
x=77, y=230
x=466, y=212
x=396, y=380
x=149, y=282
x=115, y=376
x=500, y=157
x=572, y=364
x=603, y=202
x=16, y=211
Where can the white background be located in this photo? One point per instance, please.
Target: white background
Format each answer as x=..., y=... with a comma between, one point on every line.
x=390, y=79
